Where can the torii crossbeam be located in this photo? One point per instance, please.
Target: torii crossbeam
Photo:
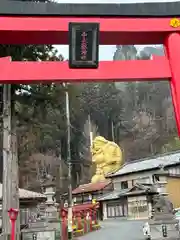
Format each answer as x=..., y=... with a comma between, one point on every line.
x=47, y=23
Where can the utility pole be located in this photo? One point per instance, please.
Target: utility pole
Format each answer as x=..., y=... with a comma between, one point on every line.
x=90, y=130
x=59, y=182
x=15, y=171
x=112, y=130
x=7, y=161
x=70, y=203
x=61, y=179
x=10, y=191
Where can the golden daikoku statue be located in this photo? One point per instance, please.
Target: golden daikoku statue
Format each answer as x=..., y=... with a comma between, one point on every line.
x=107, y=156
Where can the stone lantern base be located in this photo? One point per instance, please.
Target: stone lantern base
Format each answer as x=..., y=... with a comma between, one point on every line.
x=157, y=227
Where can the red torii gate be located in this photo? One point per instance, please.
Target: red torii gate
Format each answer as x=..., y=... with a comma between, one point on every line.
x=47, y=23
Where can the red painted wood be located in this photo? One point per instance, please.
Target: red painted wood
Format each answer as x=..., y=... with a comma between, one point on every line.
x=172, y=46
x=54, y=30
x=33, y=72
x=64, y=228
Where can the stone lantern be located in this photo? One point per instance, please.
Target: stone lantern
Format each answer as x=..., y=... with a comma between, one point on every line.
x=51, y=212
x=162, y=223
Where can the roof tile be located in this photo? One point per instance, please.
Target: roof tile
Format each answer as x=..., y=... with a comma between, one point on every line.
x=149, y=163
x=25, y=194
x=91, y=187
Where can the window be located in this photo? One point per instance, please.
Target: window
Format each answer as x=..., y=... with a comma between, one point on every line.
x=143, y=180
x=117, y=185
x=124, y=185
x=115, y=210
x=155, y=178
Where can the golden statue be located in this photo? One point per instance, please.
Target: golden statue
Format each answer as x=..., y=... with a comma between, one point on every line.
x=107, y=156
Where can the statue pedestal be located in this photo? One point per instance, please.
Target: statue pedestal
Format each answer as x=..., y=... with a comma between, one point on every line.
x=163, y=226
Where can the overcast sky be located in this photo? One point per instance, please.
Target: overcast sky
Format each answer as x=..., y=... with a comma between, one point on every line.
x=105, y=52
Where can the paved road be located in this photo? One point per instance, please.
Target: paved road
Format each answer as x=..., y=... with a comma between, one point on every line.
x=117, y=229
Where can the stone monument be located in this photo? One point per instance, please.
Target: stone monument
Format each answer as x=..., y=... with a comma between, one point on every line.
x=163, y=224
x=47, y=225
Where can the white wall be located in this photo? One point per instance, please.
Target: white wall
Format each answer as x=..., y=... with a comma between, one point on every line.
x=141, y=177
x=174, y=170
x=104, y=210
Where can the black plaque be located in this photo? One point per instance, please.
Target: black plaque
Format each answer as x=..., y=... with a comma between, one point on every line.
x=83, y=45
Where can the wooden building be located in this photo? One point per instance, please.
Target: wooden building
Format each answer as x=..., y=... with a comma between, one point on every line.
x=128, y=203
x=172, y=186
x=87, y=192
x=136, y=182
x=128, y=192
x=28, y=205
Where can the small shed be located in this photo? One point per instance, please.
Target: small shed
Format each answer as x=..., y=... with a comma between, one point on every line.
x=27, y=197
x=29, y=201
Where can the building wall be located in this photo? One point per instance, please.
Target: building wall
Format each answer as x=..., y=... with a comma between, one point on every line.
x=115, y=208
x=138, y=207
x=135, y=207
x=173, y=190
x=174, y=170
x=143, y=177
x=104, y=206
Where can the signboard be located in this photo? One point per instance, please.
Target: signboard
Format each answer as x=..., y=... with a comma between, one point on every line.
x=83, y=45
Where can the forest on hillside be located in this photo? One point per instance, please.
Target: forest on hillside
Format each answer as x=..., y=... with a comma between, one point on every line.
x=137, y=116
